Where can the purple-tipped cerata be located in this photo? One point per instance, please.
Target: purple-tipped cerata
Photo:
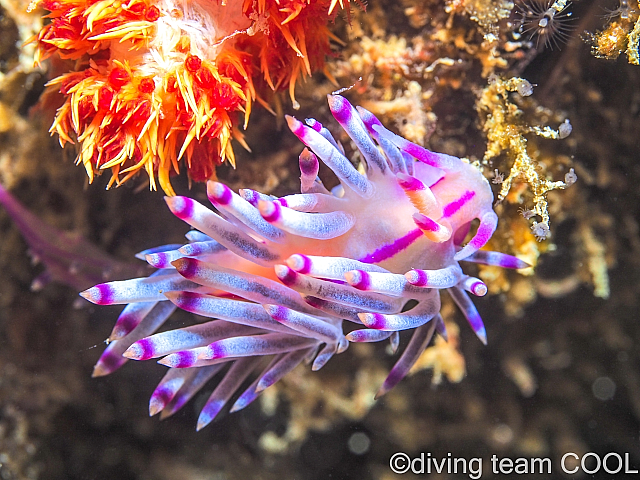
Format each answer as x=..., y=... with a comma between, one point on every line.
x=277, y=277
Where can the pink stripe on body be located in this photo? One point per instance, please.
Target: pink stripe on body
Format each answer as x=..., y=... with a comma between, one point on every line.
x=391, y=249
x=453, y=207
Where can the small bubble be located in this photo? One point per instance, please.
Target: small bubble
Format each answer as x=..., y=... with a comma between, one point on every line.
x=503, y=434
x=524, y=88
x=565, y=129
x=570, y=177
x=540, y=231
x=526, y=213
x=498, y=177
x=603, y=388
x=359, y=443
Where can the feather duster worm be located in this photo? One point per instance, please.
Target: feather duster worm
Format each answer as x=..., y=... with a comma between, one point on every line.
x=153, y=81
x=279, y=275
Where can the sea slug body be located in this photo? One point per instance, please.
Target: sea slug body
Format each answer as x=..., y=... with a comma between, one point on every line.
x=280, y=276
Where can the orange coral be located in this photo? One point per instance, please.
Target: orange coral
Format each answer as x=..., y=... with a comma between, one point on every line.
x=155, y=81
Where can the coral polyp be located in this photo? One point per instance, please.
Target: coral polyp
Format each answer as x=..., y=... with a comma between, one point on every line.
x=150, y=83
x=547, y=21
x=278, y=276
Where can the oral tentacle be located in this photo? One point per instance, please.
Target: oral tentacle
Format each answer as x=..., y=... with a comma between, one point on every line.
x=172, y=341
x=307, y=325
x=168, y=387
x=237, y=374
x=332, y=158
x=369, y=335
x=320, y=226
x=394, y=157
x=348, y=117
x=497, y=259
x=441, y=278
x=284, y=365
x=487, y=227
x=392, y=284
x=420, y=194
x=223, y=198
x=417, y=316
x=327, y=352
x=244, y=313
x=309, y=168
x=310, y=202
x=163, y=248
x=187, y=359
x=255, y=345
x=338, y=310
x=189, y=389
x=419, y=341
x=246, y=285
x=145, y=289
x=470, y=312
x=437, y=160
x=252, y=393
x=130, y=318
x=227, y=234
x=322, y=130
x=332, y=268
x=438, y=232
x=195, y=249
x=112, y=358
x=474, y=285
x=335, y=292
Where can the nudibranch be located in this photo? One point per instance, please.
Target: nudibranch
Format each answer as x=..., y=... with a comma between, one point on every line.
x=278, y=276
x=151, y=82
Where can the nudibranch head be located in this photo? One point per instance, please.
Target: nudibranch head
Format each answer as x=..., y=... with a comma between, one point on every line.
x=280, y=275
x=152, y=82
